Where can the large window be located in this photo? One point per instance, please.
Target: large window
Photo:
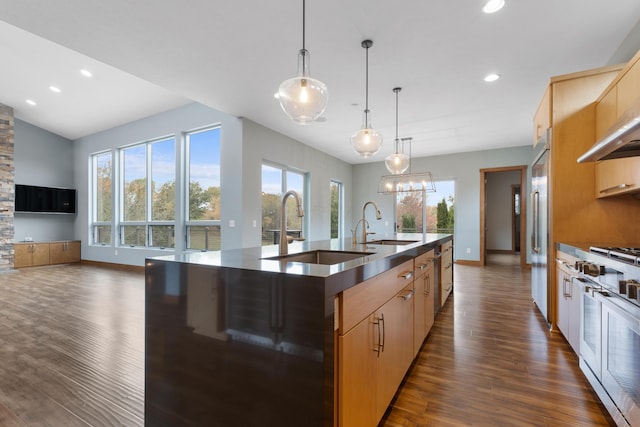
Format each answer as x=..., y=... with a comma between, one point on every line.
x=276, y=181
x=148, y=194
x=337, y=213
x=203, y=192
x=436, y=215
x=102, y=172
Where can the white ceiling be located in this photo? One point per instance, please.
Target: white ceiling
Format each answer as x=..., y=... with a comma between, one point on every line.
x=149, y=56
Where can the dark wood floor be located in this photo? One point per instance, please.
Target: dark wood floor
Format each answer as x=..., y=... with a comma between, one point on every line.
x=490, y=360
x=72, y=354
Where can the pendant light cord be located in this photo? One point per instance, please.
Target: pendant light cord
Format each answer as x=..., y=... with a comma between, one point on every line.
x=303, y=24
x=366, y=84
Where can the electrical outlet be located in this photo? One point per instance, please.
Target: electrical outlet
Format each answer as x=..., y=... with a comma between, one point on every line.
x=468, y=250
x=232, y=223
x=116, y=252
x=255, y=223
x=28, y=239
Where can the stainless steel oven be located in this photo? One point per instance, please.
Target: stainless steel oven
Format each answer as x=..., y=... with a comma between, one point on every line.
x=621, y=355
x=610, y=330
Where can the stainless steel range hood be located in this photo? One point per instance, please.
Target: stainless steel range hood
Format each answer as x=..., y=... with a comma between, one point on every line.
x=621, y=140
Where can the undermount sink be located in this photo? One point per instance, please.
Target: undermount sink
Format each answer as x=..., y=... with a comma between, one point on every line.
x=321, y=257
x=391, y=242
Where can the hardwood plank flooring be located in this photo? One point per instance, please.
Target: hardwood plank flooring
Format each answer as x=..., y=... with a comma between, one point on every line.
x=490, y=360
x=72, y=354
x=72, y=347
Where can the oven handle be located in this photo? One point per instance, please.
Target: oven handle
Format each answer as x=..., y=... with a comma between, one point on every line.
x=627, y=310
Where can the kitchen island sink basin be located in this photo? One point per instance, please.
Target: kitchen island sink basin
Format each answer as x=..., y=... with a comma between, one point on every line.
x=325, y=257
x=391, y=242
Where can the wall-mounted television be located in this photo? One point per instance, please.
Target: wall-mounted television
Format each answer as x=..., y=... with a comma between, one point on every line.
x=31, y=198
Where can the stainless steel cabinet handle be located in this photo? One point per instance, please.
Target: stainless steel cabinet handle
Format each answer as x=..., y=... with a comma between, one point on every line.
x=427, y=283
x=379, y=347
x=407, y=275
x=407, y=296
x=616, y=187
x=449, y=266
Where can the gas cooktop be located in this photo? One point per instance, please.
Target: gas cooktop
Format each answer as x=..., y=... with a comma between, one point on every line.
x=626, y=255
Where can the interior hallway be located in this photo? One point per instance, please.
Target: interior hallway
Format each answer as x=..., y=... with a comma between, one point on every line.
x=490, y=360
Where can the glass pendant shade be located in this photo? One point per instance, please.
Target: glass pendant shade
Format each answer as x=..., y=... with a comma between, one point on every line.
x=366, y=141
x=303, y=98
x=397, y=163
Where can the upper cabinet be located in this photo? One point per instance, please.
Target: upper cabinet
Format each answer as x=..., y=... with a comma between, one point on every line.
x=618, y=176
x=542, y=118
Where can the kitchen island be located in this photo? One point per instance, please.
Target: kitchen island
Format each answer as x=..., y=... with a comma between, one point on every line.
x=234, y=338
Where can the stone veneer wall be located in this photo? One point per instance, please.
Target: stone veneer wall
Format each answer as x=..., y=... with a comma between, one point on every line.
x=7, y=187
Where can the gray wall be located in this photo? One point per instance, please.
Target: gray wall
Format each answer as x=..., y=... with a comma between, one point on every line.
x=498, y=216
x=44, y=159
x=464, y=168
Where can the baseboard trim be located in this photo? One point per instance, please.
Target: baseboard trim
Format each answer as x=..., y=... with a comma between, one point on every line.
x=468, y=262
x=501, y=251
x=113, y=266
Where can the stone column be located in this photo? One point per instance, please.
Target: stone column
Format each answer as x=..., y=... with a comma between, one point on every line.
x=7, y=187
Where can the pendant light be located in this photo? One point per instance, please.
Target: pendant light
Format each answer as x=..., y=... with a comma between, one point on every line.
x=366, y=141
x=303, y=98
x=397, y=162
x=407, y=182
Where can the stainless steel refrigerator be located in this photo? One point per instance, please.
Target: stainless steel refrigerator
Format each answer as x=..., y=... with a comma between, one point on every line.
x=540, y=224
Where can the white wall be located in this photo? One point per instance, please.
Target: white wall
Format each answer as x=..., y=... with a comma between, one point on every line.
x=464, y=168
x=261, y=143
x=498, y=213
x=174, y=122
x=244, y=145
x=44, y=159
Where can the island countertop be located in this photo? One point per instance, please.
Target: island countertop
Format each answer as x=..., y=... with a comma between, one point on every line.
x=238, y=339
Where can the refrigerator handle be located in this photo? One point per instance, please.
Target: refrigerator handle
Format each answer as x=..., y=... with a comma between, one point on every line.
x=535, y=232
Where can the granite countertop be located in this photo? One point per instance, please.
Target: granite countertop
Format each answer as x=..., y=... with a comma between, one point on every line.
x=254, y=258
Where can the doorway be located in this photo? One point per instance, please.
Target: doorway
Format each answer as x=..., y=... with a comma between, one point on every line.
x=518, y=222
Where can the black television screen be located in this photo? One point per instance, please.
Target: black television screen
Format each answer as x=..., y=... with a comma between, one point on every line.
x=31, y=198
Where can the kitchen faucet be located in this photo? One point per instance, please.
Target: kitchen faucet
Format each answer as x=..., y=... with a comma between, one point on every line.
x=284, y=238
x=365, y=223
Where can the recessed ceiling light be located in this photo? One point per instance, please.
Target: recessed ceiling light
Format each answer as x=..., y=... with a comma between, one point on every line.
x=31, y=102
x=492, y=6
x=54, y=89
x=491, y=77
x=86, y=73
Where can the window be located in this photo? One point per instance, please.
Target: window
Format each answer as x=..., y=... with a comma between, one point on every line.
x=438, y=211
x=277, y=180
x=337, y=213
x=102, y=205
x=203, y=192
x=148, y=194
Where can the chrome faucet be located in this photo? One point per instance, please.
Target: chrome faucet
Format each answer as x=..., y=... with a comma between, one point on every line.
x=365, y=223
x=284, y=238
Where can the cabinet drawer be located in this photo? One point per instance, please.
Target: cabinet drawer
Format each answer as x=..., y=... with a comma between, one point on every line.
x=360, y=301
x=422, y=263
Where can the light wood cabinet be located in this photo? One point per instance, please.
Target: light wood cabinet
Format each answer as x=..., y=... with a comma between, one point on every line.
x=424, y=304
x=446, y=271
x=31, y=254
x=618, y=176
x=628, y=86
x=64, y=252
x=568, y=296
x=375, y=345
x=46, y=253
x=542, y=117
x=606, y=112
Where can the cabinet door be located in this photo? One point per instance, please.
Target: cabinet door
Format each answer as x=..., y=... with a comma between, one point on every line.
x=562, y=295
x=574, y=316
x=396, y=319
x=358, y=354
x=606, y=112
x=617, y=176
x=423, y=307
x=446, y=272
x=542, y=117
x=73, y=251
x=57, y=252
x=22, y=255
x=40, y=254
x=628, y=88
